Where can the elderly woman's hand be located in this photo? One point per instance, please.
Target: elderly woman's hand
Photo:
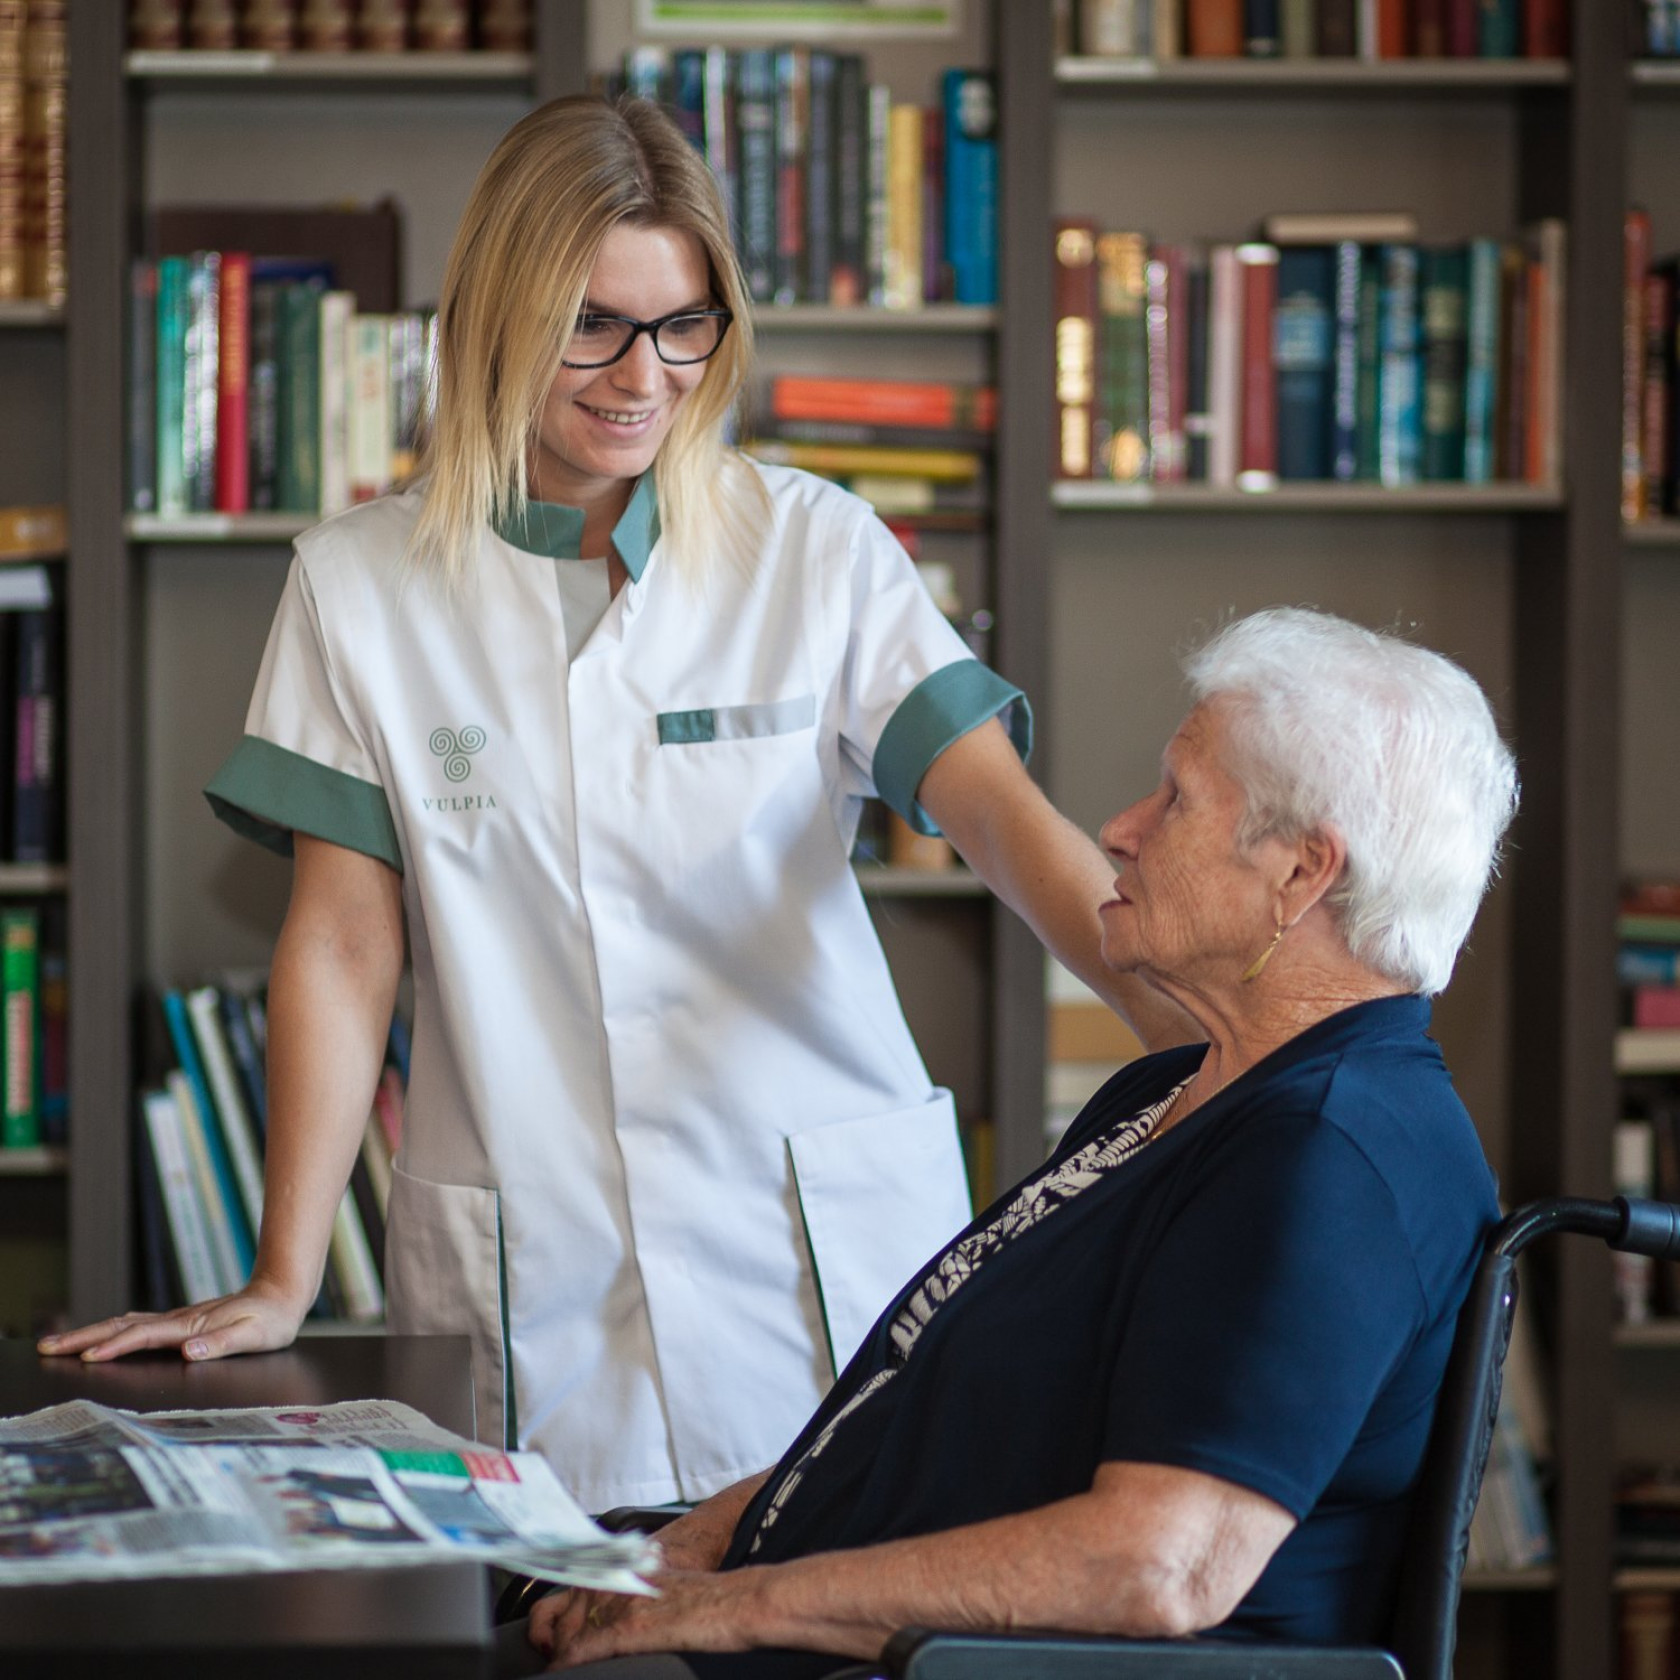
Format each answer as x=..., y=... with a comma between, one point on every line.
x=694, y=1611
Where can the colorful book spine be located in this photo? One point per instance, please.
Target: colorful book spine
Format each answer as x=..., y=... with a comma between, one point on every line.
x=721, y=142
x=1196, y=416
x=171, y=385
x=941, y=466
x=1481, y=372
x=263, y=398
x=1262, y=29
x=1257, y=265
x=1636, y=263
x=407, y=365
x=231, y=1273
x=239, y=1131
x=353, y=1263
x=936, y=278
x=1075, y=304
x=877, y=219
x=821, y=171
x=849, y=277
x=233, y=386
x=299, y=441
x=20, y=995
x=755, y=114
x=333, y=381
x=886, y=402
x=1303, y=342
x=1344, y=377
x=1120, y=432
x=688, y=94
x=1443, y=299
x=142, y=385
x=1215, y=28
x=1225, y=362
x=1399, y=416
x=1498, y=28
x=792, y=133
x=370, y=425
x=1549, y=270
x=37, y=833
x=969, y=103
x=189, y=1232
x=903, y=289
x=201, y=372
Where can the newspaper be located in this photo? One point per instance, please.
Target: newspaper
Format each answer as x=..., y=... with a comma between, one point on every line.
x=87, y=1491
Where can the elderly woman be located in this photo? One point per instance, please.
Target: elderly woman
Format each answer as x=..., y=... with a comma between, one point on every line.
x=1180, y=1380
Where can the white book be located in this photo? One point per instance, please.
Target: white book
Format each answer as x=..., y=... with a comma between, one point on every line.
x=352, y=1258
x=1224, y=353
x=337, y=313
x=1551, y=240
x=189, y=1233
x=230, y=1273
x=370, y=407
x=239, y=1127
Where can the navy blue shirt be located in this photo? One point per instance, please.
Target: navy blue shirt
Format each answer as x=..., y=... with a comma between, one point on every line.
x=1266, y=1293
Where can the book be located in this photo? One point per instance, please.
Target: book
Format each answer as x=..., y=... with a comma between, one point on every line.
x=1482, y=360
x=1120, y=425
x=1168, y=365
x=1303, y=358
x=792, y=110
x=1344, y=369
x=200, y=375
x=238, y=1127
x=1075, y=306
x=1367, y=227
x=936, y=405
x=333, y=396
x=370, y=427
x=1197, y=417
x=822, y=165
x=142, y=385
x=230, y=1270
x=1108, y=28
x=37, y=803
x=720, y=139
x=1443, y=298
x=1225, y=364
x=867, y=433
x=262, y=403
x=1646, y=1633
x=1633, y=1173
x=1399, y=411
x=1636, y=261
x=351, y=1260
x=20, y=1111
x=1338, y=29
x=1257, y=266
x=247, y=1059
x=1498, y=28
x=1214, y=28
x=1261, y=29
x=755, y=116
x=877, y=222
x=233, y=377
x=969, y=103
x=55, y=1028
x=903, y=279
x=955, y=466
x=1655, y=392
x=298, y=440
x=189, y=1234
x=171, y=499
x=159, y=1282
x=936, y=278
x=33, y=533
x=688, y=94
x=1543, y=424
x=848, y=281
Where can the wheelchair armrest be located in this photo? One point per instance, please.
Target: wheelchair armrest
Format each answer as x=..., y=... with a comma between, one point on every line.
x=917, y=1654
x=640, y=1519
x=517, y=1593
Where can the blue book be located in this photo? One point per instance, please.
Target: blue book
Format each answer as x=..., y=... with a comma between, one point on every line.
x=1262, y=36
x=971, y=184
x=1647, y=965
x=1344, y=369
x=1481, y=371
x=186, y=1053
x=688, y=94
x=1498, y=29
x=398, y=1046
x=247, y=1059
x=1399, y=376
x=171, y=361
x=1301, y=357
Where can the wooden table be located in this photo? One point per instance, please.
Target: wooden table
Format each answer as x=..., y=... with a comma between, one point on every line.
x=422, y=1623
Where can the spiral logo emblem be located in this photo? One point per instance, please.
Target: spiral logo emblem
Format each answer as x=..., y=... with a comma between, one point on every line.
x=456, y=747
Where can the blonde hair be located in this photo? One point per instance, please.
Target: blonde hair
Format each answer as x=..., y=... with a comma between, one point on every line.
x=518, y=272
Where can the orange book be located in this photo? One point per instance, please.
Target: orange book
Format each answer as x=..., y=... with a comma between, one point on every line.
x=1075, y=302
x=935, y=405
x=1215, y=28
x=1636, y=264
x=1394, y=27
x=233, y=375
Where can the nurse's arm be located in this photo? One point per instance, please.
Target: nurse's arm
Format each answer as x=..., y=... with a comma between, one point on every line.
x=330, y=994
x=1149, y=1551
x=1048, y=872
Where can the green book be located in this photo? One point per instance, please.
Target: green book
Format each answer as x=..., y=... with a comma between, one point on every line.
x=299, y=442
x=1368, y=373
x=20, y=994
x=1122, y=414
x=1443, y=297
x=172, y=312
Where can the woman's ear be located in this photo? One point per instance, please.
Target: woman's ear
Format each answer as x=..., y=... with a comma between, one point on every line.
x=1320, y=858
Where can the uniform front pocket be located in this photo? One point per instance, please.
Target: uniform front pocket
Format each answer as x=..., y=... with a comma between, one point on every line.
x=737, y=723
x=880, y=1196
x=445, y=1277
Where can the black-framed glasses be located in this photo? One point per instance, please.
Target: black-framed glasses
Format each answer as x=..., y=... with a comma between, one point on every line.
x=690, y=335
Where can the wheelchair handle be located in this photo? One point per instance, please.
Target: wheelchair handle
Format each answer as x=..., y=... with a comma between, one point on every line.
x=1631, y=1224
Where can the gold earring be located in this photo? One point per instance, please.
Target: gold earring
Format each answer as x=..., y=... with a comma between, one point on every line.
x=1252, y=972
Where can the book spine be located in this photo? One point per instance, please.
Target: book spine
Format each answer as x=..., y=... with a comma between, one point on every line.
x=1262, y=29
x=1257, y=445
x=1498, y=28
x=1546, y=368
x=247, y=1059
x=337, y=312
x=1659, y=341
x=1344, y=377
x=1196, y=417
x=793, y=94
x=1214, y=28
x=55, y=1040
x=904, y=207
x=263, y=402
x=1166, y=30
x=1429, y=28
x=848, y=282
x=1303, y=341
x=1636, y=263
x=300, y=399
x=1481, y=373
x=233, y=378
x=370, y=425
x=1169, y=452
x=1075, y=303
x=352, y=1260
x=936, y=274
x=720, y=140
x=1399, y=416
x=1392, y=29
x=1461, y=28
x=171, y=385
x=1545, y=29
x=822, y=166
x=877, y=212
x=969, y=100
x=407, y=362
x=142, y=385
x=1511, y=419
x=1225, y=359
x=688, y=95
x=1443, y=292
x=1338, y=28
x=1162, y=454
x=20, y=1119
x=198, y=421
x=37, y=774
x=1299, y=28
x=230, y=1275
x=1120, y=417
x=755, y=115
x=1108, y=28
x=238, y=1130
x=887, y=402
x=189, y=1233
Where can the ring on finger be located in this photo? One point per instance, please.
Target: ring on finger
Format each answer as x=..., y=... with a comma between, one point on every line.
x=593, y=1615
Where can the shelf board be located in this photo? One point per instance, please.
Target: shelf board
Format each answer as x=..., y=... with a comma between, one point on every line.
x=1539, y=1578
x=1646, y=1579
x=821, y=317
x=1652, y=533
x=217, y=527
x=429, y=69
x=884, y=880
x=1446, y=75
x=34, y=1163
x=26, y=879
x=1655, y=73
x=1648, y=1050
x=1100, y=495
x=30, y=312
x=1653, y=1333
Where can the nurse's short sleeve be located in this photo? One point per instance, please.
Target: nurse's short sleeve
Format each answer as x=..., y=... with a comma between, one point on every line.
x=303, y=766
x=910, y=686
x=1276, y=1307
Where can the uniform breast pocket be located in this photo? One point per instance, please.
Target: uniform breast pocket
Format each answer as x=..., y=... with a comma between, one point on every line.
x=707, y=724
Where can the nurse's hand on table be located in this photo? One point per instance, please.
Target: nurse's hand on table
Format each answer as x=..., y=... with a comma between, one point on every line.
x=258, y=1318
x=695, y=1611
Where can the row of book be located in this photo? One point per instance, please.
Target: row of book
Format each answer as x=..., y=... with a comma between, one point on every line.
x=200, y=1160
x=1648, y=1629
x=34, y=1000
x=1656, y=27
x=32, y=701
x=838, y=194
x=1371, y=29
x=32, y=150
x=1650, y=474
x=255, y=385
x=1334, y=348
x=330, y=25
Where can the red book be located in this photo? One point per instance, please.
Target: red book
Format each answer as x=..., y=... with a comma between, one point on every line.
x=885, y=402
x=936, y=274
x=1636, y=263
x=1545, y=29
x=1461, y=29
x=1257, y=446
x=1429, y=28
x=1393, y=28
x=233, y=375
x=1075, y=302
x=1216, y=28
x=1659, y=332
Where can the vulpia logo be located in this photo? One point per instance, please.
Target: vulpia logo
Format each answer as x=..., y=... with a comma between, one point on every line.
x=455, y=748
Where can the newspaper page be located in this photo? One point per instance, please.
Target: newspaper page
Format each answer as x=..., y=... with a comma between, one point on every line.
x=87, y=1491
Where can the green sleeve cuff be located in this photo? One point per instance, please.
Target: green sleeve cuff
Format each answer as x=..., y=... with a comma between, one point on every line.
x=267, y=794
x=940, y=709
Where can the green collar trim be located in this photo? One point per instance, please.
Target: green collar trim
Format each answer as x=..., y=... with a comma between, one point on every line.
x=556, y=531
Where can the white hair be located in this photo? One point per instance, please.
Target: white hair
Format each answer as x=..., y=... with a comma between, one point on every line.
x=1395, y=747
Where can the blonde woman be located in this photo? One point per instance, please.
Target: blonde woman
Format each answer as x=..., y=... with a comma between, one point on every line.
x=590, y=710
